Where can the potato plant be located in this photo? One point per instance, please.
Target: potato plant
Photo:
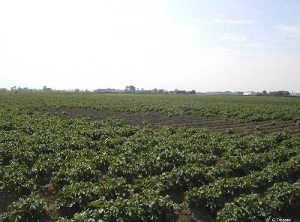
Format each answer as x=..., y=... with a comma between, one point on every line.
x=107, y=170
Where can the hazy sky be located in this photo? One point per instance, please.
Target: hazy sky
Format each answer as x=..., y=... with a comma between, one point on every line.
x=206, y=45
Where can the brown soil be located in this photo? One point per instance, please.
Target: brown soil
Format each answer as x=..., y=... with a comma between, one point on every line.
x=188, y=214
x=6, y=199
x=48, y=193
x=215, y=124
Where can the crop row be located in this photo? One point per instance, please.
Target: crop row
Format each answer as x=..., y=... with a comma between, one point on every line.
x=105, y=170
x=237, y=107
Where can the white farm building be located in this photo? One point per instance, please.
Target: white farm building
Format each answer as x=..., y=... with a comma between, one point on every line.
x=249, y=93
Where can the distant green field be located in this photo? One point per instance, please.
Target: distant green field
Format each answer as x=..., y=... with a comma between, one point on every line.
x=254, y=108
x=59, y=167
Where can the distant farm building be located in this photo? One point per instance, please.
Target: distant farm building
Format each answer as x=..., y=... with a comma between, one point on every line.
x=249, y=93
x=238, y=93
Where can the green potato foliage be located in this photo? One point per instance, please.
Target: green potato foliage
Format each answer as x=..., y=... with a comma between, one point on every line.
x=106, y=170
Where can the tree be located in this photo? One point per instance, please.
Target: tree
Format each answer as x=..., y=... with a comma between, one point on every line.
x=130, y=89
x=280, y=93
x=13, y=89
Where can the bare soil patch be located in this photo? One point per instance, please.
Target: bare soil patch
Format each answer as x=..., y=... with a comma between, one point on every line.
x=188, y=214
x=48, y=192
x=6, y=199
x=215, y=124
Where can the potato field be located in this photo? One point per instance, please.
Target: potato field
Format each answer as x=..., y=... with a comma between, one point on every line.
x=135, y=157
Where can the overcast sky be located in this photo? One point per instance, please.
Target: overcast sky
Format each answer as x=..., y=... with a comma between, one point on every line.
x=206, y=45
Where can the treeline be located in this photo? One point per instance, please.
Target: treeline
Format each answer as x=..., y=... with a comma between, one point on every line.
x=184, y=92
x=274, y=93
x=133, y=89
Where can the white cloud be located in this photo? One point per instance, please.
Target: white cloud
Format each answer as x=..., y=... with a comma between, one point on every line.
x=286, y=43
x=291, y=5
x=233, y=37
x=220, y=51
x=217, y=15
x=255, y=45
x=258, y=12
x=289, y=30
x=197, y=20
x=232, y=21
